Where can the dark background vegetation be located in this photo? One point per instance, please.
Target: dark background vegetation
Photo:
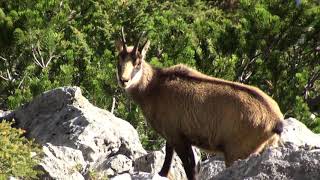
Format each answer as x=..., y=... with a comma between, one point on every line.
x=271, y=44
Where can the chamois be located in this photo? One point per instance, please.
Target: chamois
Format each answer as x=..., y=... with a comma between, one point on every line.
x=189, y=108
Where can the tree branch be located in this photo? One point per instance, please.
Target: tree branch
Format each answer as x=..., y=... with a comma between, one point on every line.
x=9, y=75
x=113, y=104
x=35, y=59
x=310, y=84
x=50, y=58
x=40, y=54
x=3, y=58
x=245, y=74
x=21, y=82
x=4, y=78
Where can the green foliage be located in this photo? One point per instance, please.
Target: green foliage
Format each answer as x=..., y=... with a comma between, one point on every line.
x=94, y=175
x=16, y=157
x=272, y=44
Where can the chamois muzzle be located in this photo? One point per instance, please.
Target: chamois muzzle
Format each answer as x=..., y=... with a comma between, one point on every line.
x=123, y=81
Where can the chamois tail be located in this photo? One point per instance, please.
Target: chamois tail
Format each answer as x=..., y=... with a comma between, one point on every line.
x=278, y=128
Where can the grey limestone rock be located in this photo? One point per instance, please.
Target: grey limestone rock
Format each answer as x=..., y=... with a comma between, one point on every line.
x=298, y=158
x=76, y=136
x=297, y=133
x=153, y=161
x=288, y=162
x=79, y=138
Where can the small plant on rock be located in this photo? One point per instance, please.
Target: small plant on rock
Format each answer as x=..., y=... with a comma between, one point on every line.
x=18, y=155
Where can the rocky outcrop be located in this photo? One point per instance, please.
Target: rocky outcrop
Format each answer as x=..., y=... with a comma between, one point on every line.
x=298, y=134
x=153, y=161
x=288, y=162
x=79, y=140
x=4, y=113
x=298, y=158
x=211, y=167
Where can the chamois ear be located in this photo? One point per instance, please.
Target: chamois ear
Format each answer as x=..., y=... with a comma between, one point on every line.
x=145, y=49
x=119, y=45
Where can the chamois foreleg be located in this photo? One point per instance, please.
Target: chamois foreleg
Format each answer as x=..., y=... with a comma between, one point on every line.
x=167, y=161
x=185, y=152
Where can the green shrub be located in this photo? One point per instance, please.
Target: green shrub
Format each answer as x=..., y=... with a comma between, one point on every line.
x=270, y=44
x=18, y=155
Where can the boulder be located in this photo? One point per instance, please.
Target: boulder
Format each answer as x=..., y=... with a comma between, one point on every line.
x=81, y=141
x=4, y=113
x=211, y=167
x=77, y=137
x=288, y=162
x=297, y=158
x=153, y=161
x=297, y=133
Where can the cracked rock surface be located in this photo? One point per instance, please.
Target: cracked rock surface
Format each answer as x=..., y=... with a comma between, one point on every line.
x=287, y=162
x=77, y=137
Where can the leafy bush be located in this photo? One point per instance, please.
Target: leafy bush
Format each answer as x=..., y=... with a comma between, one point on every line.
x=18, y=156
x=271, y=44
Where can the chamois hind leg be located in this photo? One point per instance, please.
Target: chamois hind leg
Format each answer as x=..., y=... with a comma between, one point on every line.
x=231, y=156
x=185, y=153
x=235, y=151
x=167, y=161
x=274, y=141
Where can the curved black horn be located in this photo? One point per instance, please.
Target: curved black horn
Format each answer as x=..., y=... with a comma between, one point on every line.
x=135, y=48
x=124, y=43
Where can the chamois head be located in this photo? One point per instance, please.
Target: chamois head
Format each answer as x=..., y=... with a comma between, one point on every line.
x=130, y=61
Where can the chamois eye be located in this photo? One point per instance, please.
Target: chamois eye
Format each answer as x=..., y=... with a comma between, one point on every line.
x=122, y=56
x=133, y=56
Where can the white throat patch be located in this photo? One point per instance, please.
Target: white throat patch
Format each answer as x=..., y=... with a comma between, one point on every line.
x=135, y=80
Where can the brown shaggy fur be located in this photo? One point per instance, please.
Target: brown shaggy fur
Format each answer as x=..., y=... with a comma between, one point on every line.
x=187, y=107
x=214, y=114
